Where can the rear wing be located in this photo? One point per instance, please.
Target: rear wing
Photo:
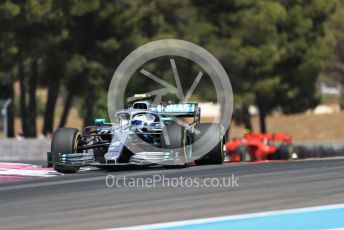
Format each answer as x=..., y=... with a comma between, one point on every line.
x=178, y=110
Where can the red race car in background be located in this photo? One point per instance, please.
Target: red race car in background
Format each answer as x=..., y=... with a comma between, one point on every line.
x=260, y=146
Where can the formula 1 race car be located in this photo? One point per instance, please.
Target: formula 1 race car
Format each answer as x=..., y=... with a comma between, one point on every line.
x=143, y=135
x=260, y=146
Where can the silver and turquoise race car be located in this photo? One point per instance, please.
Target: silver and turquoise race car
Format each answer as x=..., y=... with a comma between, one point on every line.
x=142, y=135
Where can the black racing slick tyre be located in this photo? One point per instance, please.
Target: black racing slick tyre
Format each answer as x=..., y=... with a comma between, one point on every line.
x=174, y=137
x=213, y=135
x=283, y=152
x=65, y=140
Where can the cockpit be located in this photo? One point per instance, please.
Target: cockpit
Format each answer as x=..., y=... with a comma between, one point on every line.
x=144, y=118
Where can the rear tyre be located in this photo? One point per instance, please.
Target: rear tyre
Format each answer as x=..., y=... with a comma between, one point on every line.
x=174, y=137
x=65, y=140
x=213, y=134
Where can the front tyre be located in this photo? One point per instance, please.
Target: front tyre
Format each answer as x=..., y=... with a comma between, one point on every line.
x=213, y=134
x=174, y=137
x=65, y=141
x=283, y=152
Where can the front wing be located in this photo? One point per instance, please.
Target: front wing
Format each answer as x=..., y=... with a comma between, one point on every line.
x=141, y=158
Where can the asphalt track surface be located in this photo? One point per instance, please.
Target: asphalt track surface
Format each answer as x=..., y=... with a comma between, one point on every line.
x=84, y=201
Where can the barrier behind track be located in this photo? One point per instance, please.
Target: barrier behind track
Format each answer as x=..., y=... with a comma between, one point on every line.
x=36, y=149
x=319, y=149
x=24, y=150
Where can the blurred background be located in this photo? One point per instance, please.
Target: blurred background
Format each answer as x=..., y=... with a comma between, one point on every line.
x=285, y=59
